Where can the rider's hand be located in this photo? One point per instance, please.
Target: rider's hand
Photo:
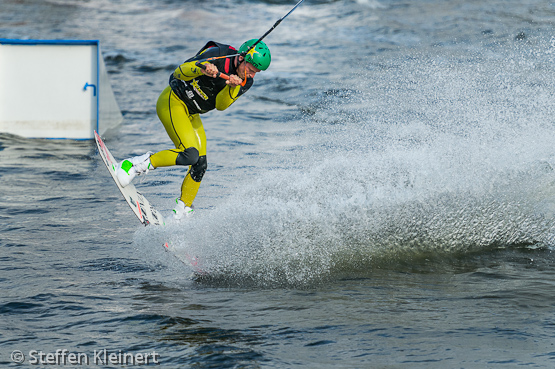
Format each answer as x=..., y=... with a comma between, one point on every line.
x=234, y=81
x=210, y=70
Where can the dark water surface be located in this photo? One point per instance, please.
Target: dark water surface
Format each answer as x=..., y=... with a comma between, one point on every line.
x=383, y=197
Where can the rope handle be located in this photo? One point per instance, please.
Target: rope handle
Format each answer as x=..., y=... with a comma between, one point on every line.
x=220, y=74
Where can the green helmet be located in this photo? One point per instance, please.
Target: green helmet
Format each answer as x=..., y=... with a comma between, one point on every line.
x=259, y=56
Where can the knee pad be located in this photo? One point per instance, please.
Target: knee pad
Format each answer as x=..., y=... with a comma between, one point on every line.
x=198, y=169
x=187, y=157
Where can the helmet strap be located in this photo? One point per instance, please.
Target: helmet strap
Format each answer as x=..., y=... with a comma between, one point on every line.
x=245, y=69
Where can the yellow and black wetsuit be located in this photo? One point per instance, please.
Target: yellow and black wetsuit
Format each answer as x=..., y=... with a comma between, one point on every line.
x=189, y=94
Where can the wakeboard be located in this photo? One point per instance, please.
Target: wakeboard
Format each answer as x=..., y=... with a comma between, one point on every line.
x=146, y=213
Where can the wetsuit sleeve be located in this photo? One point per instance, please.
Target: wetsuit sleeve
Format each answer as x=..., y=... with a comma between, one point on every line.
x=227, y=96
x=187, y=71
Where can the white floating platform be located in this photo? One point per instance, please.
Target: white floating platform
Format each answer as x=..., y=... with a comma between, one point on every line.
x=55, y=89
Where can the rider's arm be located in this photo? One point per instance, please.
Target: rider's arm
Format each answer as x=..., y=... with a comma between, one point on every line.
x=227, y=96
x=187, y=71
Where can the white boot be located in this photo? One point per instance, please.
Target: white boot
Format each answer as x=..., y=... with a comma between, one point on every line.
x=181, y=210
x=130, y=168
